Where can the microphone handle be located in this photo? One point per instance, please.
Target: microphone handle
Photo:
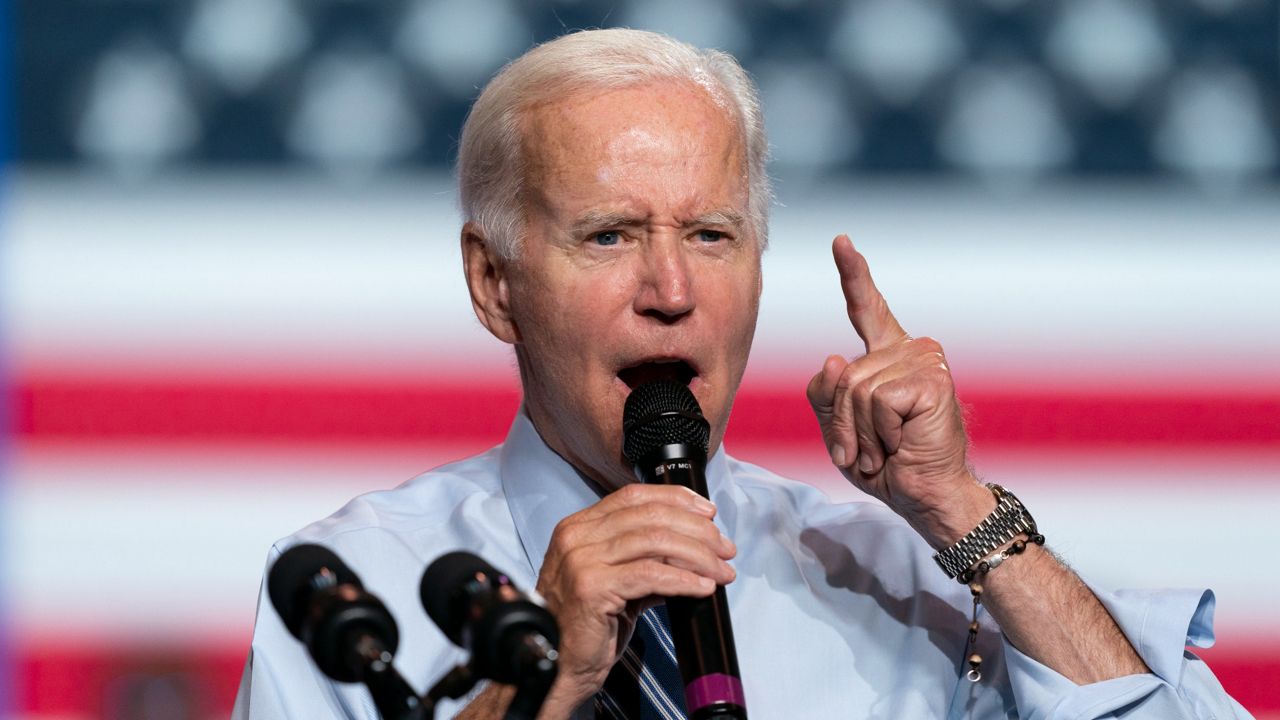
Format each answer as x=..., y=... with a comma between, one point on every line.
x=700, y=627
x=708, y=660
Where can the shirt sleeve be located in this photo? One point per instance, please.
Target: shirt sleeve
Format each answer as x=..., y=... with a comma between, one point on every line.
x=1160, y=625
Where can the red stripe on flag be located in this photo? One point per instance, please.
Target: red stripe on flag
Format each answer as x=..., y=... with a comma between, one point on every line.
x=201, y=682
x=1250, y=674
x=61, y=408
x=92, y=681
x=134, y=409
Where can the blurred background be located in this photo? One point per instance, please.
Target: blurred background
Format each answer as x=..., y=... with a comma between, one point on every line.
x=232, y=300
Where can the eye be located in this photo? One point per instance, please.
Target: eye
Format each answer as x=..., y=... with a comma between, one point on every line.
x=710, y=236
x=608, y=237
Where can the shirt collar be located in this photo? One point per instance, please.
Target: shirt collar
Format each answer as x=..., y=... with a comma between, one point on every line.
x=542, y=488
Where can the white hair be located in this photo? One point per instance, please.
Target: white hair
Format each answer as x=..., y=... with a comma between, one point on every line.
x=491, y=159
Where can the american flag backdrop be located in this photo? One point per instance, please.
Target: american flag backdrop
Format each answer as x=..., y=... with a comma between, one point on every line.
x=232, y=296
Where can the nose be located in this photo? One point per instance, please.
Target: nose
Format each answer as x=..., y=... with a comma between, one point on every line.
x=665, y=290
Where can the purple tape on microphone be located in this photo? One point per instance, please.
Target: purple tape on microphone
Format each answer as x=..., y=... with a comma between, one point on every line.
x=713, y=688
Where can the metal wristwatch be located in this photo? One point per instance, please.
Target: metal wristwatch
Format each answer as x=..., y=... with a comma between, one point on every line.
x=1009, y=520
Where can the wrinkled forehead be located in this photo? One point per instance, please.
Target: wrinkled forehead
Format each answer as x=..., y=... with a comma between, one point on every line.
x=571, y=89
x=603, y=136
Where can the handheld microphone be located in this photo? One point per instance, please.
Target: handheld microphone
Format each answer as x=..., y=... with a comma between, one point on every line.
x=665, y=437
x=348, y=631
x=512, y=639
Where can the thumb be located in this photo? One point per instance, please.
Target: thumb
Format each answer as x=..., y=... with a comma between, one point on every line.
x=822, y=398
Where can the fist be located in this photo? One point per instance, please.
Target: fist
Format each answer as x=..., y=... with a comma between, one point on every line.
x=608, y=563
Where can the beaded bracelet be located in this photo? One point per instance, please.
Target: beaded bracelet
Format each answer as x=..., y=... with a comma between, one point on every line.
x=977, y=572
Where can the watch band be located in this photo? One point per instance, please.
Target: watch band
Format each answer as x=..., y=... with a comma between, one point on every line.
x=1009, y=520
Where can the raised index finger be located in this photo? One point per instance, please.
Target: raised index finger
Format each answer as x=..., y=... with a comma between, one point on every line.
x=868, y=311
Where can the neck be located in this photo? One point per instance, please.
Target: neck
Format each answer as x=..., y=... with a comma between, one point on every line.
x=601, y=482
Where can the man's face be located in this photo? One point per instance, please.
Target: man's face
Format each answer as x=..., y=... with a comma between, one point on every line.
x=639, y=263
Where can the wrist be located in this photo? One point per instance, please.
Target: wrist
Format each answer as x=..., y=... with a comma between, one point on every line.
x=564, y=698
x=943, y=525
x=1022, y=543
x=1006, y=522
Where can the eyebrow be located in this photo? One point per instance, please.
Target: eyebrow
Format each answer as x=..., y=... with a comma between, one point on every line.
x=594, y=219
x=719, y=217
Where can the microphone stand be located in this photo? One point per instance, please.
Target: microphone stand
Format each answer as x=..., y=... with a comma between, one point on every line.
x=393, y=697
x=539, y=659
x=537, y=656
x=455, y=683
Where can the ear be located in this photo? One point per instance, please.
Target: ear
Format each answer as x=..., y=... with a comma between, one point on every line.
x=486, y=274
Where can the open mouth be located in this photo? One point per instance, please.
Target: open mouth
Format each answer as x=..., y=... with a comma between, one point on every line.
x=651, y=370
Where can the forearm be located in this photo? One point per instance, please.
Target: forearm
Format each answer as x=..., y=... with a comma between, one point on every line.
x=1050, y=615
x=490, y=704
x=493, y=701
x=1040, y=605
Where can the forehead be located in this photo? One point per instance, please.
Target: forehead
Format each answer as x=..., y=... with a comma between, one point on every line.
x=668, y=145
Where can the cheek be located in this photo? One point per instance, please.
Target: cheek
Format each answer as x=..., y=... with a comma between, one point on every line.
x=742, y=303
x=567, y=321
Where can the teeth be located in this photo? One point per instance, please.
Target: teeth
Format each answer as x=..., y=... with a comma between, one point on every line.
x=658, y=361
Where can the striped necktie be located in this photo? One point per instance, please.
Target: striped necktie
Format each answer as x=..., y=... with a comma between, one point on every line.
x=645, y=684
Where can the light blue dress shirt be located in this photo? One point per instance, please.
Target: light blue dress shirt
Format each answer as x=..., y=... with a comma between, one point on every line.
x=838, y=610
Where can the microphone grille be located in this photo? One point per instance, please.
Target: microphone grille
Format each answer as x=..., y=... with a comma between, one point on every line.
x=663, y=412
x=443, y=580
x=291, y=580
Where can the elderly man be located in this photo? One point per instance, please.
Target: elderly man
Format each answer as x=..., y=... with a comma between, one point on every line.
x=615, y=197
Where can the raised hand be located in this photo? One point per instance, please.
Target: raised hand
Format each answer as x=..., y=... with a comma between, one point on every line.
x=890, y=418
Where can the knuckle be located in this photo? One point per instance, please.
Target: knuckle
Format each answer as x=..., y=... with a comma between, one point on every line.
x=567, y=536
x=650, y=514
x=632, y=492
x=655, y=537
x=574, y=560
x=840, y=429
x=848, y=378
x=711, y=534
x=652, y=572
x=644, y=515
x=928, y=345
x=867, y=442
x=884, y=396
x=863, y=393
x=940, y=376
x=563, y=534
x=563, y=525
x=844, y=384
